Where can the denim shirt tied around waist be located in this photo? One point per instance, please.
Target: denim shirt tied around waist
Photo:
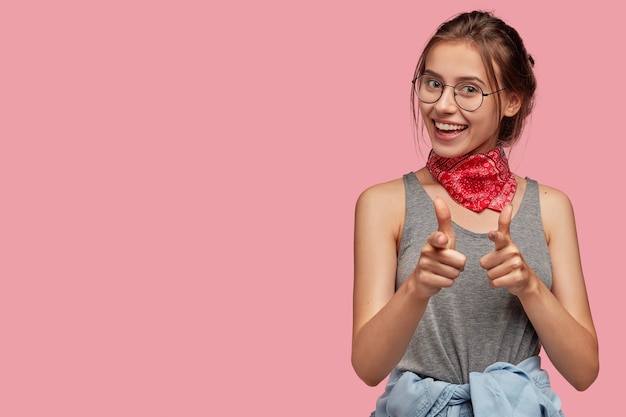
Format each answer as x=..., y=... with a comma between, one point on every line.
x=502, y=390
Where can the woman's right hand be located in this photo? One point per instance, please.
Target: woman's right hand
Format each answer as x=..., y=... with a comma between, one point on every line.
x=439, y=263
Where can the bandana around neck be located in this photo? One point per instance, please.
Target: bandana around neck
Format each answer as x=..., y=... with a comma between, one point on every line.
x=476, y=181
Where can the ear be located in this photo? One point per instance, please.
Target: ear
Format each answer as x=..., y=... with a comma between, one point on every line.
x=511, y=104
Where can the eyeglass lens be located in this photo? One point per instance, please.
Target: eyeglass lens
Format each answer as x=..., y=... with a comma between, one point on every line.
x=467, y=95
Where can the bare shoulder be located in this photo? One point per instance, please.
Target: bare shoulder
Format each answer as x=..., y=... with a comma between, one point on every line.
x=557, y=211
x=553, y=199
x=387, y=196
x=383, y=204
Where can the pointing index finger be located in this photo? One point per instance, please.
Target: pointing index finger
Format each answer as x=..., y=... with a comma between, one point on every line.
x=502, y=235
x=504, y=220
x=444, y=220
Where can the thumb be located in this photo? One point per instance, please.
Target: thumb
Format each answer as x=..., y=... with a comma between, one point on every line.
x=501, y=237
x=444, y=221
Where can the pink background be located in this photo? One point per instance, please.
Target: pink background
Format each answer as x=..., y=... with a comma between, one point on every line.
x=178, y=182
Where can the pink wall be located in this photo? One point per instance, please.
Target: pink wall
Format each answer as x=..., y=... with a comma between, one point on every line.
x=178, y=183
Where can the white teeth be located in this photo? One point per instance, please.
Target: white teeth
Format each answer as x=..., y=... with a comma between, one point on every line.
x=445, y=126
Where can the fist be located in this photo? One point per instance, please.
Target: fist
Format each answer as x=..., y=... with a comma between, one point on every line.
x=506, y=266
x=439, y=263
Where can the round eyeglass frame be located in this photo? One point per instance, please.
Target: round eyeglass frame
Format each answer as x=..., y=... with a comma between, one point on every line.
x=443, y=86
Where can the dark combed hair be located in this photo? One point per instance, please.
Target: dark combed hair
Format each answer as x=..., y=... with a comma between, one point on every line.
x=500, y=46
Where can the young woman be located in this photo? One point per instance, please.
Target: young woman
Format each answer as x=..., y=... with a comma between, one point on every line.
x=464, y=270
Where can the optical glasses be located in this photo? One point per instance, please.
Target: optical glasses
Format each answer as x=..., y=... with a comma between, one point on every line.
x=467, y=95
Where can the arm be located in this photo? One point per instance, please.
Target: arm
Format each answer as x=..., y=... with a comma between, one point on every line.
x=569, y=337
x=561, y=317
x=384, y=319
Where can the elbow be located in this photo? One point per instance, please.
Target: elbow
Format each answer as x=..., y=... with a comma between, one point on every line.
x=369, y=380
x=582, y=385
x=366, y=374
x=591, y=373
x=586, y=384
x=582, y=368
x=585, y=380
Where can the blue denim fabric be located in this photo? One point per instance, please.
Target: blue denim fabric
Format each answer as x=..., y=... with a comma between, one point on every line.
x=502, y=390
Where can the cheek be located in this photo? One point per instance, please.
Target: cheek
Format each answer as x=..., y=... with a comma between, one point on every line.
x=486, y=120
x=488, y=126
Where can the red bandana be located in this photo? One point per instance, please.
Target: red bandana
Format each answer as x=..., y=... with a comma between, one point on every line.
x=476, y=181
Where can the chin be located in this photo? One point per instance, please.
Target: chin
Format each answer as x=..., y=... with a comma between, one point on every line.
x=450, y=151
x=453, y=149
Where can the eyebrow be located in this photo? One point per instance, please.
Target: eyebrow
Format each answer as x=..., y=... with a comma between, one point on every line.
x=459, y=79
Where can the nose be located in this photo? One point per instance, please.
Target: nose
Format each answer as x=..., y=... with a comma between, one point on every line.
x=447, y=102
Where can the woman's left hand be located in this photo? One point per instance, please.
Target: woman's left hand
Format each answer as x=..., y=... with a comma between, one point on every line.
x=506, y=266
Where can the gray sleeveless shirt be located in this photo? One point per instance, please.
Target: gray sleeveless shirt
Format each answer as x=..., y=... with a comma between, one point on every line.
x=470, y=325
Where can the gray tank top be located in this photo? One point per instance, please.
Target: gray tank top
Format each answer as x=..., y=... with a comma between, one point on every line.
x=470, y=325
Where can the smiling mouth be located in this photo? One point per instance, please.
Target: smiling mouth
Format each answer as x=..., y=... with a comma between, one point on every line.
x=449, y=128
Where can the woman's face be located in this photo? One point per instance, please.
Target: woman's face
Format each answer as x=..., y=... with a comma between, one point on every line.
x=452, y=130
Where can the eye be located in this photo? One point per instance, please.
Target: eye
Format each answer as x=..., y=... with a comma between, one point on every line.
x=432, y=83
x=468, y=90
